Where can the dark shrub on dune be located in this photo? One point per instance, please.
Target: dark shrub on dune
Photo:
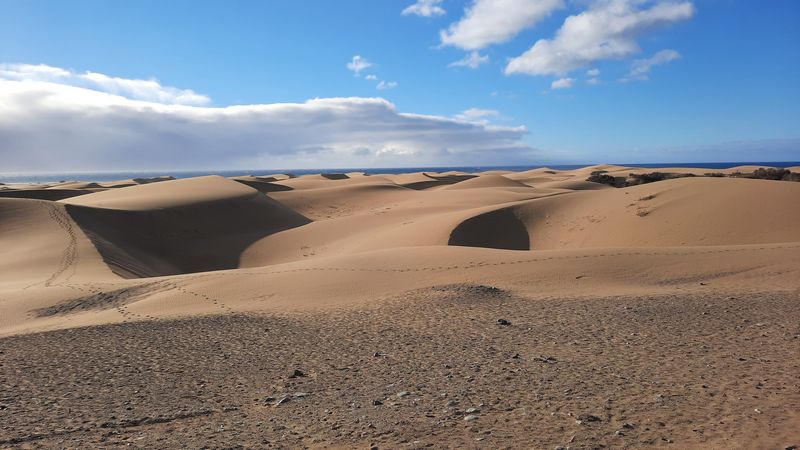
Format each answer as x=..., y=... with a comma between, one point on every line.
x=644, y=178
x=768, y=173
x=636, y=179
x=601, y=177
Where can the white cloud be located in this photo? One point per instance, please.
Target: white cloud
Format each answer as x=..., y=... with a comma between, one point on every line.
x=50, y=126
x=384, y=85
x=425, y=8
x=562, y=83
x=488, y=22
x=371, y=77
x=148, y=90
x=607, y=30
x=593, y=81
x=476, y=114
x=357, y=64
x=473, y=60
x=640, y=68
x=593, y=73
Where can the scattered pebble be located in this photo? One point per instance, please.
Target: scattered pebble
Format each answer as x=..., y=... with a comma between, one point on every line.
x=546, y=359
x=588, y=418
x=503, y=322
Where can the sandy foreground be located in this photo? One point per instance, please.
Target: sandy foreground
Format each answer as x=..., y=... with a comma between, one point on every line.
x=426, y=310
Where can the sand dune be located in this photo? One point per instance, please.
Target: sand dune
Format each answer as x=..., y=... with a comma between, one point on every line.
x=704, y=211
x=207, y=224
x=179, y=226
x=488, y=181
x=353, y=270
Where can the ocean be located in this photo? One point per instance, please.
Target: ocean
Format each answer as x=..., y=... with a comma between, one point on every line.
x=54, y=177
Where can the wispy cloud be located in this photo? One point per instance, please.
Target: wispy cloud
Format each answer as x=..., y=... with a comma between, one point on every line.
x=477, y=115
x=562, y=83
x=384, y=85
x=640, y=68
x=487, y=22
x=473, y=60
x=91, y=130
x=149, y=90
x=606, y=31
x=357, y=64
x=425, y=8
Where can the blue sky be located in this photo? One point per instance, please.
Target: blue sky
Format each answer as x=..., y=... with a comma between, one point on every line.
x=723, y=88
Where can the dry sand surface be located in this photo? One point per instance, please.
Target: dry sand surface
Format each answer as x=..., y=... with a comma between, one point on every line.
x=425, y=310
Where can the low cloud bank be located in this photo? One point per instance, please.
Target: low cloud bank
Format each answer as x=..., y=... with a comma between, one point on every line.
x=45, y=125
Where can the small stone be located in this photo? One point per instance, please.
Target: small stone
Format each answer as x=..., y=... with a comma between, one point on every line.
x=282, y=400
x=377, y=403
x=546, y=359
x=472, y=410
x=503, y=322
x=402, y=394
x=301, y=394
x=758, y=411
x=589, y=418
x=297, y=373
x=470, y=417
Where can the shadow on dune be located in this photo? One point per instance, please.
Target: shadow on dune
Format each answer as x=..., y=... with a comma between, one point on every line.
x=437, y=181
x=499, y=229
x=188, y=238
x=334, y=176
x=264, y=186
x=44, y=194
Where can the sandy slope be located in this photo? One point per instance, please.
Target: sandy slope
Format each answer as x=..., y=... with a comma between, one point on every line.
x=404, y=264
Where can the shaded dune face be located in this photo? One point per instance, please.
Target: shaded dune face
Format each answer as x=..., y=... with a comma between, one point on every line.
x=43, y=194
x=263, y=186
x=183, y=236
x=434, y=181
x=499, y=229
